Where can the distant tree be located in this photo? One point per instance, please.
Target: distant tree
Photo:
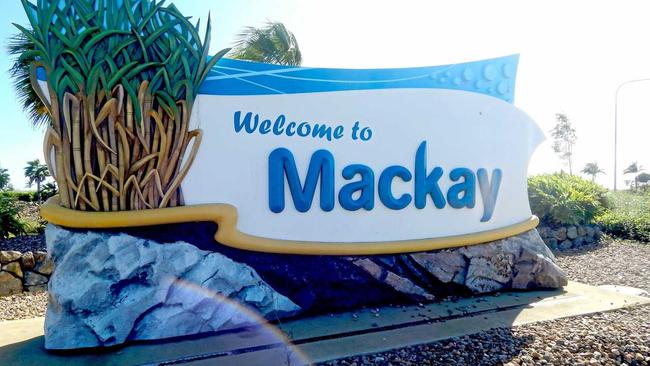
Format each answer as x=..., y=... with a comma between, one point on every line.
x=593, y=170
x=643, y=178
x=273, y=43
x=564, y=137
x=36, y=173
x=634, y=168
x=4, y=179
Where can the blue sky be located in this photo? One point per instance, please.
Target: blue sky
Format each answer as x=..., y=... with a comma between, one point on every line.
x=573, y=56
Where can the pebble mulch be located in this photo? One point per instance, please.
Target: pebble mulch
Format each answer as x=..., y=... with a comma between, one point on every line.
x=620, y=337
x=24, y=243
x=22, y=306
x=623, y=263
x=29, y=211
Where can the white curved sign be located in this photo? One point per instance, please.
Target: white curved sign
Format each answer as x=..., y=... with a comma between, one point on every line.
x=364, y=162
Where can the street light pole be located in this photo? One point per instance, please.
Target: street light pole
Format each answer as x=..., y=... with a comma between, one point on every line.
x=616, y=122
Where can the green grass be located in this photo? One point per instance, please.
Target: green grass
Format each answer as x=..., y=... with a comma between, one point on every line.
x=628, y=202
x=628, y=216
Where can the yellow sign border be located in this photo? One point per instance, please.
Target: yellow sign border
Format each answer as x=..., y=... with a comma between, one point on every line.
x=225, y=216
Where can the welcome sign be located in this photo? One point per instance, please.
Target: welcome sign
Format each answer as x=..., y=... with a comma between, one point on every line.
x=356, y=156
x=308, y=173
x=335, y=161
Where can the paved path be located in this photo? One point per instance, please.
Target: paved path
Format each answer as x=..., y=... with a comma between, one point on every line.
x=328, y=337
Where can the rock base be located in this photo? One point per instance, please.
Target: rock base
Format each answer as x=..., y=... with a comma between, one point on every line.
x=150, y=283
x=108, y=289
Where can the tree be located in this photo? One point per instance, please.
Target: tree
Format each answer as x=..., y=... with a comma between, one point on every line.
x=593, y=170
x=36, y=173
x=564, y=137
x=643, y=178
x=4, y=179
x=19, y=47
x=272, y=43
x=634, y=168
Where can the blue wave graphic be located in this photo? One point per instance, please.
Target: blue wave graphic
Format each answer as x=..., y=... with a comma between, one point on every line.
x=495, y=77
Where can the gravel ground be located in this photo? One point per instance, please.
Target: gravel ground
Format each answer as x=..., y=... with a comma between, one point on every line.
x=615, y=263
x=620, y=337
x=23, y=306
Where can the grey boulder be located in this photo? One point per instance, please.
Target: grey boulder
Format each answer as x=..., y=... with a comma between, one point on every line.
x=519, y=262
x=108, y=289
x=9, y=284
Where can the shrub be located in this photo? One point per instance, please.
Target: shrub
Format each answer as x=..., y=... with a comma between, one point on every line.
x=23, y=196
x=9, y=222
x=565, y=199
x=48, y=190
x=629, y=217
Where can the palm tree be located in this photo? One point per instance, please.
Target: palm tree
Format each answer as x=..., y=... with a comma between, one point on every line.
x=4, y=178
x=36, y=173
x=18, y=46
x=592, y=169
x=634, y=168
x=272, y=43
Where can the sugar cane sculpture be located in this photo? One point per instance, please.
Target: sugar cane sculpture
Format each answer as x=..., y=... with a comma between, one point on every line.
x=121, y=77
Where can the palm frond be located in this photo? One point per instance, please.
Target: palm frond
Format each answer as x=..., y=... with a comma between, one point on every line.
x=273, y=43
x=18, y=46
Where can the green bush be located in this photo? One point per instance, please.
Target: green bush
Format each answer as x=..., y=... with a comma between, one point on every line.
x=23, y=196
x=48, y=190
x=629, y=216
x=565, y=199
x=9, y=222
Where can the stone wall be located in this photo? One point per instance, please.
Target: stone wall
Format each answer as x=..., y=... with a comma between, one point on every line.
x=570, y=236
x=29, y=271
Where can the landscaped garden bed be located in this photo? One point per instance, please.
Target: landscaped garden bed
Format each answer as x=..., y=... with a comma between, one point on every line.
x=24, y=264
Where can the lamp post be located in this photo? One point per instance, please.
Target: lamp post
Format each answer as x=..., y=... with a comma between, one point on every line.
x=616, y=122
